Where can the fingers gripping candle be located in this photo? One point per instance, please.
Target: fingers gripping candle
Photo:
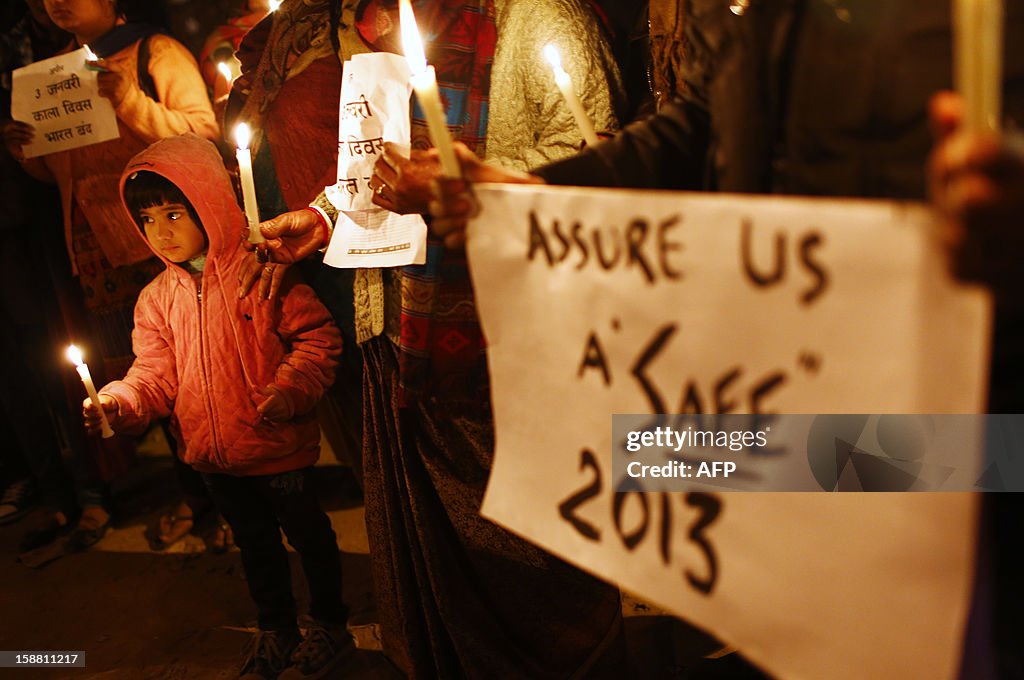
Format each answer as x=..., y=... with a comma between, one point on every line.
x=75, y=356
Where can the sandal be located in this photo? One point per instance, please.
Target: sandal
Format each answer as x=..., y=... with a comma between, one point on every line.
x=92, y=526
x=222, y=538
x=173, y=526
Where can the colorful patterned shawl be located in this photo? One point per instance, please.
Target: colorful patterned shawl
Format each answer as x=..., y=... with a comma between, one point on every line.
x=441, y=350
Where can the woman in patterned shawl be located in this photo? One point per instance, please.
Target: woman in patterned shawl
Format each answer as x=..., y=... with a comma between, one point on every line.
x=459, y=596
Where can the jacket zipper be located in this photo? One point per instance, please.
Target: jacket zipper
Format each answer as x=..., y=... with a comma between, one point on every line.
x=206, y=382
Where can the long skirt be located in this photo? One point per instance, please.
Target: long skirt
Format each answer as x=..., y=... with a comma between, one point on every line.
x=460, y=597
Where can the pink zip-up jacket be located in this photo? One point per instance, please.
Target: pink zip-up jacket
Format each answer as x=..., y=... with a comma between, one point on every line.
x=203, y=354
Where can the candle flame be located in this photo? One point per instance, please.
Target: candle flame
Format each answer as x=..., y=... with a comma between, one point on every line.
x=225, y=70
x=89, y=54
x=551, y=54
x=74, y=355
x=274, y=4
x=412, y=43
x=242, y=136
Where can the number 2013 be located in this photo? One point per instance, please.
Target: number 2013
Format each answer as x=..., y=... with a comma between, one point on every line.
x=708, y=507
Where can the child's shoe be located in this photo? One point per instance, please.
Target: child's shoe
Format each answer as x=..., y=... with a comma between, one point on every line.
x=16, y=500
x=318, y=656
x=268, y=653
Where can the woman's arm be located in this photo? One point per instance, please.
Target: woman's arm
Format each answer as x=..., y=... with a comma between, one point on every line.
x=183, y=105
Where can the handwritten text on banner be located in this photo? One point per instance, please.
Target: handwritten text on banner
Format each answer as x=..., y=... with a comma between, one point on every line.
x=596, y=302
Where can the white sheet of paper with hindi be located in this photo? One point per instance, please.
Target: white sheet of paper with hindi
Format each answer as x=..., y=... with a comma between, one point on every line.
x=377, y=238
x=59, y=97
x=374, y=108
x=596, y=302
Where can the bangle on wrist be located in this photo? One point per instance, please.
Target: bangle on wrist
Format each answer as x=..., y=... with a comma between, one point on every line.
x=325, y=228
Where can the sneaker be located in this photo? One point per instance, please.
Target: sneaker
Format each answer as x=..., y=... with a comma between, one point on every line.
x=322, y=652
x=16, y=501
x=268, y=653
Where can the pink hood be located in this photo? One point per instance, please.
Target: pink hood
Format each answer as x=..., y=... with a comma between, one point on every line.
x=206, y=356
x=194, y=165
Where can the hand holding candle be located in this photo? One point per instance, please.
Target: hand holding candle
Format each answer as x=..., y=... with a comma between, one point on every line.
x=252, y=214
x=424, y=82
x=978, y=56
x=564, y=83
x=75, y=356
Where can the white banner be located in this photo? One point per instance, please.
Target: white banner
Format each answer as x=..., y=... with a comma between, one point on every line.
x=596, y=302
x=59, y=97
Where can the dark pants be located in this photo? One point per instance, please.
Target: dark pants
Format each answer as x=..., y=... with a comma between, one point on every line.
x=257, y=508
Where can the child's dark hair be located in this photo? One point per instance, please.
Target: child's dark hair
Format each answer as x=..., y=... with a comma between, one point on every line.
x=146, y=189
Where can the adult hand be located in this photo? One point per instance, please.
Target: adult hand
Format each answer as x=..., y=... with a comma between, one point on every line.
x=976, y=182
x=111, y=83
x=454, y=202
x=16, y=135
x=269, y=274
x=403, y=184
x=292, y=236
x=91, y=413
x=276, y=407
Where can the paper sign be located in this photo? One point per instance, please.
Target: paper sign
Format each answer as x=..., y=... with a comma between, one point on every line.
x=374, y=108
x=59, y=97
x=597, y=302
x=377, y=238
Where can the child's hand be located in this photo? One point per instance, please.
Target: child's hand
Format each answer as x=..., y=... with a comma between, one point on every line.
x=277, y=407
x=91, y=412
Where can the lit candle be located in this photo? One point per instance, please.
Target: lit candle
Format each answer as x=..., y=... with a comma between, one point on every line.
x=424, y=82
x=91, y=59
x=978, y=61
x=564, y=83
x=75, y=356
x=252, y=214
x=225, y=71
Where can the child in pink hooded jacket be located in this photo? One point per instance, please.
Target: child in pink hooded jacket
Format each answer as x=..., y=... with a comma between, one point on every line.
x=241, y=378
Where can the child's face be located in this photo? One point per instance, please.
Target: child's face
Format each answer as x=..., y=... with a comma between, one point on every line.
x=171, y=230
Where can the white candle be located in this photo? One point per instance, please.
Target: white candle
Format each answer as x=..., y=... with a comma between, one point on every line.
x=564, y=83
x=75, y=356
x=978, y=61
x=225, y=71
x=424, y=82
x=91, y=59
x=252, y=214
